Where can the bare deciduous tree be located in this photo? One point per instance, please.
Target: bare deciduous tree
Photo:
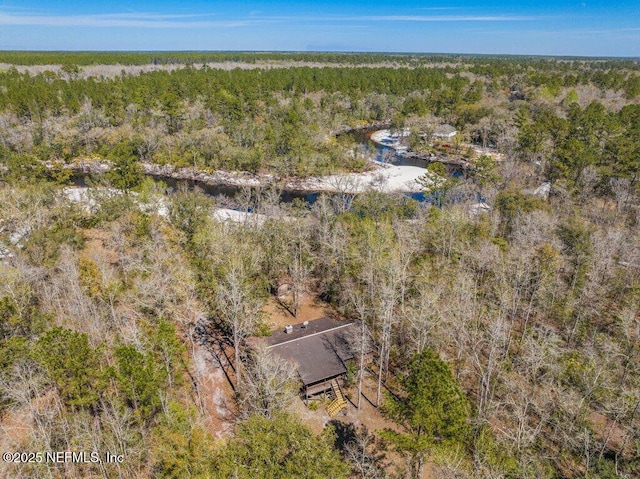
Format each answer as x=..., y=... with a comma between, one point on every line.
x=361, y=340
x=362, y=453
x=238, y=307
x=269, y=385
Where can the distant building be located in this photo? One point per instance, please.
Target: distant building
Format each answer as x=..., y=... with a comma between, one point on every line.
x=444, y=132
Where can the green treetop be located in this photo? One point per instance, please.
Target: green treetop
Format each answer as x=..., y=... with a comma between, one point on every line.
x=279, y=448
x=432, y=409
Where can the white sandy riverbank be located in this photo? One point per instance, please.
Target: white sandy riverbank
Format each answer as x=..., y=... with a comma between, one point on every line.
x=384, y=178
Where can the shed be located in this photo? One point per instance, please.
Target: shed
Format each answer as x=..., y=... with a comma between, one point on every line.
x=445, y=132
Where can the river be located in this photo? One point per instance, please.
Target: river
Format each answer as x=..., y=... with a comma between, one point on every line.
x=380, y=153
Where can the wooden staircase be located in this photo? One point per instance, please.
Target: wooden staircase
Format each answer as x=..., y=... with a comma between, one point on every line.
x=339, y=403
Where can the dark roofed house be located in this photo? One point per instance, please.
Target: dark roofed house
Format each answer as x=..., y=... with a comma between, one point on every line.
x=320, y=349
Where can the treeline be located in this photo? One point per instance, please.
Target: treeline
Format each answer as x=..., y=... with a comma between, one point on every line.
x=52, y=93
x=186, y=57
x=505, y=62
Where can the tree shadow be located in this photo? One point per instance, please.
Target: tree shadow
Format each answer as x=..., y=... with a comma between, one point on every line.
x=207, y=335
x=284, y=307
x=345, y=433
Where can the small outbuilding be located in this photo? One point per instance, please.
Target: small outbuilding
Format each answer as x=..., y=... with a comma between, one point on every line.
x=444, y=132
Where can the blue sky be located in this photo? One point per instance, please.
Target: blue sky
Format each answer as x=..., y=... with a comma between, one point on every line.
x=585, y=28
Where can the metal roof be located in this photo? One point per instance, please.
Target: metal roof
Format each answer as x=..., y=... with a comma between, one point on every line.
x=319, y=350
x=444, y=130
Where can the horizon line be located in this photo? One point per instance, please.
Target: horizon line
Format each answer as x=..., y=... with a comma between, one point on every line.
x=342, y=52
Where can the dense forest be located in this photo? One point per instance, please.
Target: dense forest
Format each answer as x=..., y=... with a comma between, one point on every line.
x=502, y=342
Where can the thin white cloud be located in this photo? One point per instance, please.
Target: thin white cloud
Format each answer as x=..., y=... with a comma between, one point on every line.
x=612, y=30
x=444, y=18
x=132, y=20
x=15, y=8
x=561, y=33
x=156, y=20
x=439, y=8
x=407, y=18
x=154, y=16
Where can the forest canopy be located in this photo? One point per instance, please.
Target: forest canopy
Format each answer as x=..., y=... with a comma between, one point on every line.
x=496, y=314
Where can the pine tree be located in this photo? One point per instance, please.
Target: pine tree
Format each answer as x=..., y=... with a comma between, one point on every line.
x=72, y=365
x=432, y=409
x=279, y=448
